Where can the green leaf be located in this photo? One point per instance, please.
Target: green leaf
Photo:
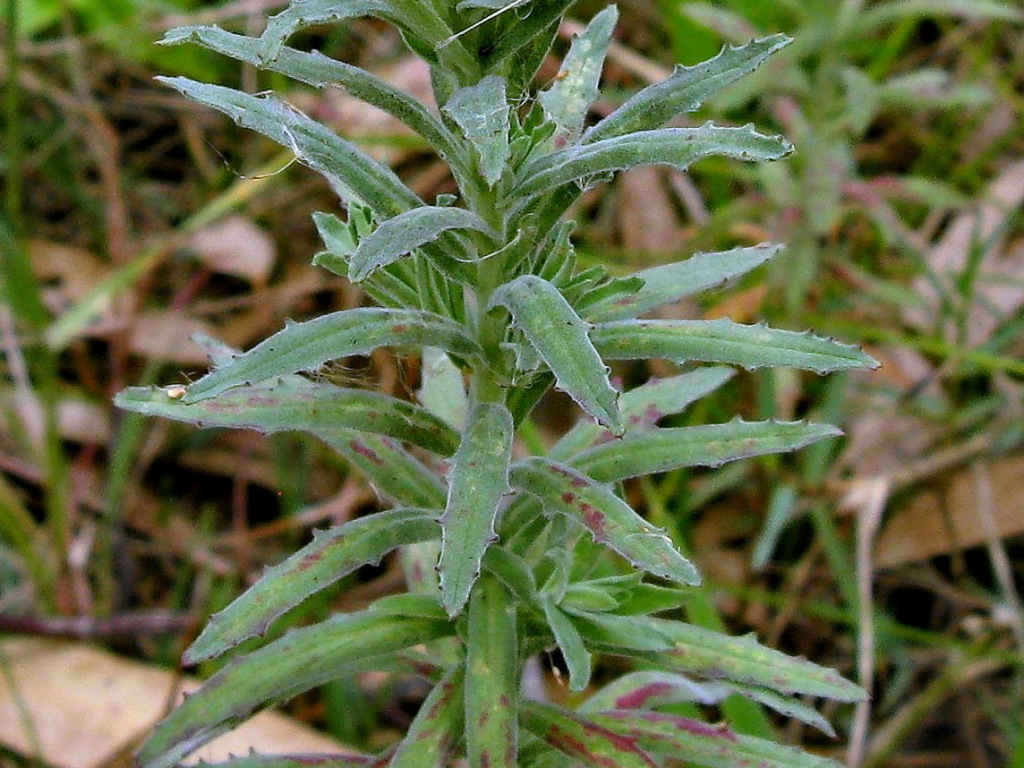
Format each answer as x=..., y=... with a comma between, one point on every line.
x=434, y=734
x=493, y=667
x=304, y=760
x=443, y=391
x=302, y=659
x=685, y=90
x=320, y=71
x=710, y=445
x=881, y=14
x=667, y=283
x=331, y=555
x=676, y=147
x=404, y=233
x=391, y=470
x=723, y=341
x=608, y=518
x=569, y=642
x=652, y=689
x=584, y=740
x=481, y=111
x=306, y=346
x=558, y=335
x=315, y=145
x=295, y=403
x=575, y=89
x=676, y=646
x=715, y=746
x=521, y=33
x=479, y=479
x=643, y=407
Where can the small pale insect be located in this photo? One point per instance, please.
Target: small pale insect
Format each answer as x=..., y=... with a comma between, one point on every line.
x=176, y=393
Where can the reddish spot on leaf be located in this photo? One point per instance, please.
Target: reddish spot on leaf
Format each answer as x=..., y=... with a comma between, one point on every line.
x=568, y=497
x=359, y=447
x=310, y=560
x=638, y=699
x=400, y=328
x=594, y=519
x=261, y=400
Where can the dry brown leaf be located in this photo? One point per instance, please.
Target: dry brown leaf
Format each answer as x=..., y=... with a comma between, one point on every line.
x=235, y=246
x=944, y=519
x=167, y=335
x=999, y=290
x=78, y=420
x=67, y=274
x=87, y=706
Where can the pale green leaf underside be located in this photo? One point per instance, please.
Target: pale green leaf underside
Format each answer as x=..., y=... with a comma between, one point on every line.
x=662, y=450
x=302, y=659
x=670, y=282
x=643, y=407
x=697, y=743
x=676, y=147
x=723, y=341
x=569, y=97
x=320, y=71
x=481, y=111
x=404, y=233
x=330, y=556
x=294, y=403
x=685, y=90
x=560, y=337
x=609, y=519
x=479, y=479
x=314, y=144
x=306, y=346
x=690, y=649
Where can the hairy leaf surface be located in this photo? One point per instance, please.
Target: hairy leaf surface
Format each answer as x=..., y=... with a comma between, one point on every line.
x=481, y=111
x=608, y=518
x=723, y=341
x=479, y=479
x=300, y=660
x=583, y=740
x=306, y=346
x=685, y=90
x=331, y=555
x=677, y=147
x=560, y=337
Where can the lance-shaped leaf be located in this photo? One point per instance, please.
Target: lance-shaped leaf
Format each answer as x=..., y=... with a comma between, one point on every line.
x=608, y=518
x=574, y=650
x=331, y=555
x=584, y=740
x=303, y=760
x=404, y=233
x=314, y=144
x=306, y=346
x=685, y=90
x=715, y=746
x=493, y=667
x=676, y=646
x=394, y=472
x=723, y=341
x=560, y=337
x=481, y=111
x=652, y=689
x=522, y=32
x=677, y=147
x=643, y=407
x=295, y=403
x=302, y=659
x=422, y=27
x=443, y=391
x=575, y=88
x=670, y=282
x=479, y=479
x=434, y=734
x=707, y=445
x=320, y=71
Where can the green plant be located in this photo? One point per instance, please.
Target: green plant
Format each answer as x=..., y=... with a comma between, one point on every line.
x=531, y=553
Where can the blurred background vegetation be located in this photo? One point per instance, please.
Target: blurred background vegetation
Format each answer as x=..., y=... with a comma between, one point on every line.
x=133, y=219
